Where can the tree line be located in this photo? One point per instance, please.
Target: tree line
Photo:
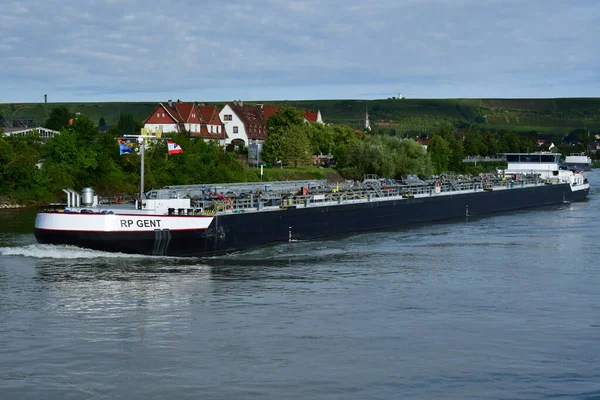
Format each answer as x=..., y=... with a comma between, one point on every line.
x=32, y=170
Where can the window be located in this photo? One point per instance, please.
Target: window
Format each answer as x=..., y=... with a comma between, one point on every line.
x=548, y=158
x=235, y=129
x=163, y=114
x=228, y=117
x=157, y=115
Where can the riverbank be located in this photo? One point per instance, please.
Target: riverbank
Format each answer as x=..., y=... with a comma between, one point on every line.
x=252, y=175
x=7, y=202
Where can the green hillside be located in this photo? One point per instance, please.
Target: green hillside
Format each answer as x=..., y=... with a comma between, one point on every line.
x=544, y=115
x=110, y=111
x=406, y=115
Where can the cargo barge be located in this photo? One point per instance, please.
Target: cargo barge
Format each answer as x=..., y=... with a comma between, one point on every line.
x=212, y=220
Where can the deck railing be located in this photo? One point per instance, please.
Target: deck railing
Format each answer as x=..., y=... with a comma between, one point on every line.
x=368, y=191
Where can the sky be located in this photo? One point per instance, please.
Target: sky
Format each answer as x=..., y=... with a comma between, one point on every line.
x=198, y=50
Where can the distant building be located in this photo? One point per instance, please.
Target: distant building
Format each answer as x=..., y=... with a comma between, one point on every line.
x=211, y=123
x=424, y=142
x=309, y=116
x=235, y=123
x=45, y=133
x=200, y=121
x=245, y=125
x=25, y=126
x=105, y=128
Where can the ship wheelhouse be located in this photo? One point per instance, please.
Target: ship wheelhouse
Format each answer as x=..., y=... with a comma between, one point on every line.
x=535, y=158
x=544, y=164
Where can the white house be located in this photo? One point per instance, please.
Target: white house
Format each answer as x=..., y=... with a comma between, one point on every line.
x=245, y=125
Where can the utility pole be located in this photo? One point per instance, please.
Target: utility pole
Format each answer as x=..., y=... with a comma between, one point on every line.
x=141, y=141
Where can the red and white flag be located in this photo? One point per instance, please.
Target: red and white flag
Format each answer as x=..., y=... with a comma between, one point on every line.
x=174, y=148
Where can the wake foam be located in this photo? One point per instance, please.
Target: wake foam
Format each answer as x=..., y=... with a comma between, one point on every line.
x=62, y=252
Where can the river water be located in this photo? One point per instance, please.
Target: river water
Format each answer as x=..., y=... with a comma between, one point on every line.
x=503, y=306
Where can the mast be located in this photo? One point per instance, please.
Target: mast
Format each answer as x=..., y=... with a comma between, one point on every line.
x=142, y=145
x=141, y=139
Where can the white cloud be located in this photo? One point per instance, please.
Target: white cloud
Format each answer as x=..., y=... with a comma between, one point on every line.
x=446, y=45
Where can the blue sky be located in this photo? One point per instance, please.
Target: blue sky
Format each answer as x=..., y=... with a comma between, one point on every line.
x=121, y=50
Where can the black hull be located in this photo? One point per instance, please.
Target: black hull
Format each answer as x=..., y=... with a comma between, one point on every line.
x=235, y=232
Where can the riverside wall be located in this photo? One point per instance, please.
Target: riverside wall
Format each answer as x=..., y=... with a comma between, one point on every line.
x=6, y=202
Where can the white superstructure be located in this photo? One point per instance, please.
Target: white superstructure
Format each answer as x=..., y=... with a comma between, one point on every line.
x=579, y=160
x=546, y=165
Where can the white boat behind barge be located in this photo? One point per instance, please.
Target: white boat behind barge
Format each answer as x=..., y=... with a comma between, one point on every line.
x=579, y=160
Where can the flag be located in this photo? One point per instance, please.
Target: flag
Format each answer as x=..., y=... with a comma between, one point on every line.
x=124, y=149
x=174, y=148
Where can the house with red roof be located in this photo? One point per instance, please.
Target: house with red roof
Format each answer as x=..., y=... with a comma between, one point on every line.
x=190, y=116
x=244, y=124
x=423, y=142
x=165, y=118
x=212, y=122
x=309, y=116
x=174, y=117
x=236, y=123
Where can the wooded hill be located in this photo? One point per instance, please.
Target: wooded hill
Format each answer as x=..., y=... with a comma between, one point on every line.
x=405, y=116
